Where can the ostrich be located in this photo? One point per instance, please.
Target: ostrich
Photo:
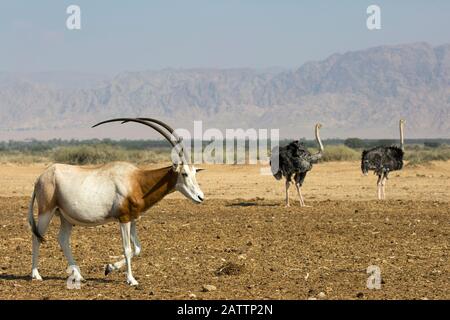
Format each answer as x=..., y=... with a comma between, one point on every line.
x=294, y=160
x=383, y=160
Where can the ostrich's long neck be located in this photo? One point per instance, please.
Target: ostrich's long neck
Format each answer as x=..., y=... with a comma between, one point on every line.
x=319, y=141
x=401, y=137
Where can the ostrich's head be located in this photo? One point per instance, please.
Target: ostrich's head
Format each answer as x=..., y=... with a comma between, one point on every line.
x=364, y=163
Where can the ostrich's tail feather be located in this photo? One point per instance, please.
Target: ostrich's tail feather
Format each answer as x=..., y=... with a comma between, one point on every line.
x=275, y=163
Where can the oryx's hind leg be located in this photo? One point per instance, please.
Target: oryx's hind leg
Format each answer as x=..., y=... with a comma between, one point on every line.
x=64, y=241
x=42, y=226
x=137, y=249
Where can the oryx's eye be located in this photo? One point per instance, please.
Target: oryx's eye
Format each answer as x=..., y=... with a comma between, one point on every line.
x=184, y=174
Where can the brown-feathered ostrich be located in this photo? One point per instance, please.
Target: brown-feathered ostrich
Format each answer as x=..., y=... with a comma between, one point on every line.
x=383, y=160
x=294, y=161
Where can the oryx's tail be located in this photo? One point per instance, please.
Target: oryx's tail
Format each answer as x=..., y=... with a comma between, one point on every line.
x=31, y=220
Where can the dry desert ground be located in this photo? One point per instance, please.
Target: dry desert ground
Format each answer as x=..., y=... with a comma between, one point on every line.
x=246, y=243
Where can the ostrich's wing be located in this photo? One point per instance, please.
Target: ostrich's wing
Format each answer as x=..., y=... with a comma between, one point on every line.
x=380, y=158
x=299, y=159
x=373, y=157
x=393, y=158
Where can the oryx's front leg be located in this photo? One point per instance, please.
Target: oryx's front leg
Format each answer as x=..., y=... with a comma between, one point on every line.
x=135, y=239
x=64, y=241
x=125, y=229
x=137, y=249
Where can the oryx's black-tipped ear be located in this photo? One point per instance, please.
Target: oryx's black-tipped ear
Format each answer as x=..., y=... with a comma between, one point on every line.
x=199, y=169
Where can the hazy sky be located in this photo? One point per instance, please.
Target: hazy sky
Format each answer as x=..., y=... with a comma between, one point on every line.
x=137, y=35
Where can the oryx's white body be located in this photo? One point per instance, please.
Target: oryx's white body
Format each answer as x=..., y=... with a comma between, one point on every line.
x=117, y=191
x=89, y=197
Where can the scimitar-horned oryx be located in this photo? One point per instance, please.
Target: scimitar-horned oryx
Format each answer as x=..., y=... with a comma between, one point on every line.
x=117, y=191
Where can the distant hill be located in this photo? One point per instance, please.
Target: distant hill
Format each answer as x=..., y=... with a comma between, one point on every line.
x=360, y=93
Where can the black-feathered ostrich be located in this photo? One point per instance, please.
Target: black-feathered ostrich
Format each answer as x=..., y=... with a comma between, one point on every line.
x=383, y=160
x=294, y=161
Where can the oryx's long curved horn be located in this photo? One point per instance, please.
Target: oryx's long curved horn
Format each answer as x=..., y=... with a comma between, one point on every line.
x=151, y=125
x=162, y=132
x=178, y=138
x=162, y=124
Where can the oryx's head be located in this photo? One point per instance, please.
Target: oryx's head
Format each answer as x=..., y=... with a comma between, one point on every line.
x=186, y=180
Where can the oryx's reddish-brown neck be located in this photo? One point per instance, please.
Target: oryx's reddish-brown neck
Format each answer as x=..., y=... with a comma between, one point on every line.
x=157, y=183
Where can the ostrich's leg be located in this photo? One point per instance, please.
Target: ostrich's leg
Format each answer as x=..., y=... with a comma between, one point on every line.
x=287, y=192
x=379, y=187
x=299, y=192
x=383, y=186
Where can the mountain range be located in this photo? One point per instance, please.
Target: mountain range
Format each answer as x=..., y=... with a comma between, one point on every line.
x=360, y=93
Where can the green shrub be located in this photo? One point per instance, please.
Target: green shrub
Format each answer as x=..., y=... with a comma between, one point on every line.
x=98, y=153
x=22, y=157
x=87, y=154
x=423, y=156
x=432, y=144
x=386, y=142
x=354, y=143
x=106, y=153
x=340, y=153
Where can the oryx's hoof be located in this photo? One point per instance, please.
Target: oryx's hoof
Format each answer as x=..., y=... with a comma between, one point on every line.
x=80, y=279
x=132, y=281
x=108, y=269
x=35, y=275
